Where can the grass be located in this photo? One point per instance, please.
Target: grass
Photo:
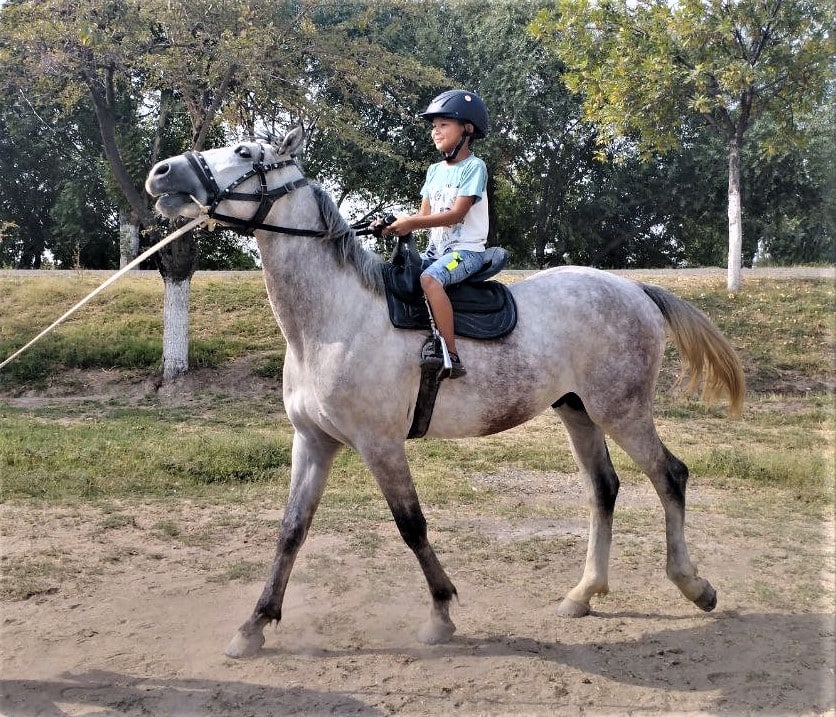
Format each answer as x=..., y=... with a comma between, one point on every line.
x=243, y=570
x=225, y=447
x=28, y=575
x=122, y=328
x=778, y=325
x=93, y=455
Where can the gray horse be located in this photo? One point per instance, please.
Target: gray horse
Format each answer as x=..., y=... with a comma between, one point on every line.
x=587, y=344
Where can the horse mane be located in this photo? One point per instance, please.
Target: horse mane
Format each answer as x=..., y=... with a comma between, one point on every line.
x=345, y=245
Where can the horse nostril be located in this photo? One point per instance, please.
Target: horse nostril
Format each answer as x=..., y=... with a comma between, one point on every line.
x=161, y=169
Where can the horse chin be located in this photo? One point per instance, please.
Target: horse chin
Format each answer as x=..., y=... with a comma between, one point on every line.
x=177, y=205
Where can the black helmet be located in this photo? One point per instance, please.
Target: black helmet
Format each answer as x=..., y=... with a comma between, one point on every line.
x=460, y=105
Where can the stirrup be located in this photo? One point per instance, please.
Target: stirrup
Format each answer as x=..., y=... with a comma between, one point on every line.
x=431, y=355
x=434, y=355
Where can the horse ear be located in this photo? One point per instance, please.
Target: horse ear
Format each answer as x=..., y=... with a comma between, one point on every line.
x=292, y=141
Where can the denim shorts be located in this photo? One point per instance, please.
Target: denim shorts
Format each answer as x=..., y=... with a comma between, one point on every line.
x=455, y=266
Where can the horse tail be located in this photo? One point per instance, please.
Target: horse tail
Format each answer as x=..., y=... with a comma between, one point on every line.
x=707, y=353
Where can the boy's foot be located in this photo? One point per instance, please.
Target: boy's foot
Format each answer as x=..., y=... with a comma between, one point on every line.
x=458, y=370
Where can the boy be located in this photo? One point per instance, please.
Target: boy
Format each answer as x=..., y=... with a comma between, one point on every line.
x=454, y=207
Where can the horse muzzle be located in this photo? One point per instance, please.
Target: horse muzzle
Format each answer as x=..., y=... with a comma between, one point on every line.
x=178, y=191
x=177, y=205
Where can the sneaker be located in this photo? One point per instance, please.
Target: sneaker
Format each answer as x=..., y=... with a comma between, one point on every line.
x=457, y=370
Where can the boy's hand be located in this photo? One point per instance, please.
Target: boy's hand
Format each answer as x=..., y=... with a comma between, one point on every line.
x=402, y=225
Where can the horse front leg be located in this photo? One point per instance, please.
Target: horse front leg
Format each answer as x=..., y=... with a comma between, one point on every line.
x=311, y=459
x=590, y=451
x=391, y=471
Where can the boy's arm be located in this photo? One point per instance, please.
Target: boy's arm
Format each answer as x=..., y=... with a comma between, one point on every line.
x=425, y=220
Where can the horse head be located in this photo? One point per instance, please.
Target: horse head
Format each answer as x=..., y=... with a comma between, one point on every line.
x=233, y=177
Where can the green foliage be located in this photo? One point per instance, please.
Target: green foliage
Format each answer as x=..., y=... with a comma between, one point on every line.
x=85, y=218
x=646, y=69
x=790, y=195
x=229, y=68
x=371, y=146
x=92, y=94
x=644, y=66
x=51, y=190
x=225, y=250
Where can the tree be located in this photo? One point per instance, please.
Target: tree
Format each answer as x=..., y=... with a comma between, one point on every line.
x=369, y=146
x=237, y=67
x=91, y=56
x=551, y=200
x=30, y=165
x=791, y=195
x=539, y=149
x=262, y=65
x=536, y=146
x=646, y=66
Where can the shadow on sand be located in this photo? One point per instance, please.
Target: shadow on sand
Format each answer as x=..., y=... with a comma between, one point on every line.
x=753, y=663
x=107, y=694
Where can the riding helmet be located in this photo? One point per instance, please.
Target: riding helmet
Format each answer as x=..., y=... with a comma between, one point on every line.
x=461, y=105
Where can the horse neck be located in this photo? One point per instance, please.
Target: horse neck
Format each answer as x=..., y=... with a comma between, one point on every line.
x=311, y=293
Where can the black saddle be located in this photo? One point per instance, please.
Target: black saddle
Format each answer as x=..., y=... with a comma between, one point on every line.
x=481, y=309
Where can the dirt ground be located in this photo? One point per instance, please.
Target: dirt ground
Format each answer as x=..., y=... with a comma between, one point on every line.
x=133, y=618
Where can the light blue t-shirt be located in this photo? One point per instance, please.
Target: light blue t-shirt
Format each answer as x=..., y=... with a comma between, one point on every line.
x=444, y=183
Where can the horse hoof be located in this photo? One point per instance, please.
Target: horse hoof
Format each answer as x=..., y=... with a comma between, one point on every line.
x=572, y=608
x=244, y=645
x=436, y=632
x=707, y=600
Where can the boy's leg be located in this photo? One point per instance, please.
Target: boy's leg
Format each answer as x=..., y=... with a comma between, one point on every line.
x=451, y=268
x=442, y=310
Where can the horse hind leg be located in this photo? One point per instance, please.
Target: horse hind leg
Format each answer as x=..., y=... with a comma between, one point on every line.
x=312, y=456
x=391, y=471
x=593, y=459
x=669, y=477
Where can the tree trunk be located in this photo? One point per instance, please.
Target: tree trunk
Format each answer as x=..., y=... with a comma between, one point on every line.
x=176, y=327
x=177, y=263
x=128, y=238
x=735, y=218
x=137, y=200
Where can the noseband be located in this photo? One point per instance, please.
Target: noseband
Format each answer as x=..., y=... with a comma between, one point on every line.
x=265, y=197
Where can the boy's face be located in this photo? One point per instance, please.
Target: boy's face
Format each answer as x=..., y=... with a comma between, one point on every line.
x=446, y=133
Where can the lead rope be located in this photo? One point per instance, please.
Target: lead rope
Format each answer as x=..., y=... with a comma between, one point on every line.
x=142, y=257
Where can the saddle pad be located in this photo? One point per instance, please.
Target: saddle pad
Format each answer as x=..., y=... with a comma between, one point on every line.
x=485, y=310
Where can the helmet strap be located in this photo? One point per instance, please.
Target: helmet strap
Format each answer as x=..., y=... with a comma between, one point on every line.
x=450, y=156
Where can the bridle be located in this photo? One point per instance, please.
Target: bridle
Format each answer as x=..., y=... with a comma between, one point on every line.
x=265, y=197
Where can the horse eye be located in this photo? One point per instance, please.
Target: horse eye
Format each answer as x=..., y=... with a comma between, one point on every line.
x=243, y=151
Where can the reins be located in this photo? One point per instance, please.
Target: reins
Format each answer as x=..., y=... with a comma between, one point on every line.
x=265, y=197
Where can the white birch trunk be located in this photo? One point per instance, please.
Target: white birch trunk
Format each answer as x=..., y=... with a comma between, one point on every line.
x=176, y=328
x=733, y=281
